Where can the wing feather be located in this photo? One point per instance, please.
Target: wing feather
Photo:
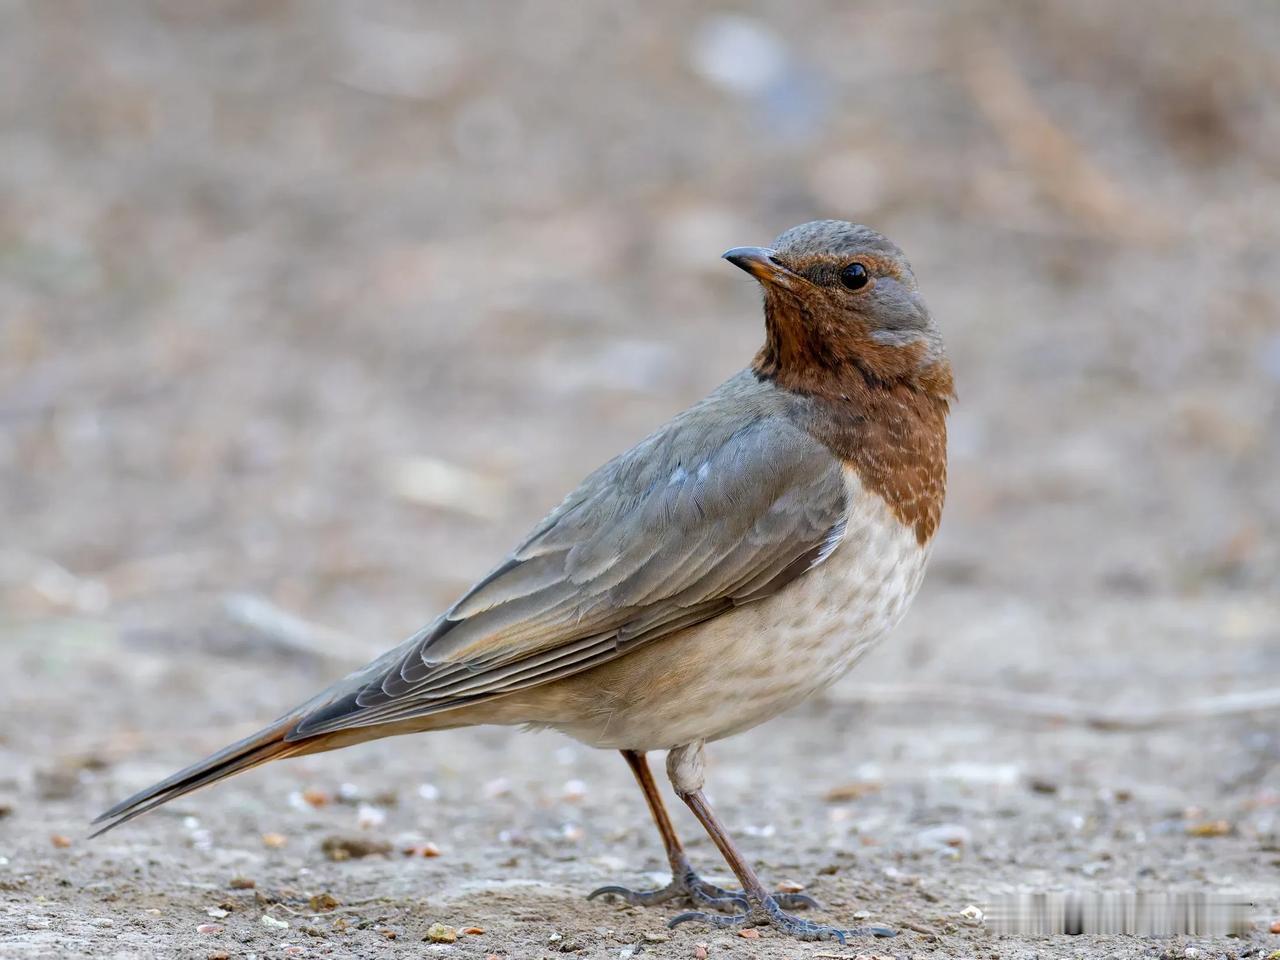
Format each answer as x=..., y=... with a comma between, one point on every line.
x=724, y=505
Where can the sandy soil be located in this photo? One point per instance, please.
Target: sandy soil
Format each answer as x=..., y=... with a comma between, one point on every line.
x=323, y=305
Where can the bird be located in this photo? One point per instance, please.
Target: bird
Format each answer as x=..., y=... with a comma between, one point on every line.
x=735, y=562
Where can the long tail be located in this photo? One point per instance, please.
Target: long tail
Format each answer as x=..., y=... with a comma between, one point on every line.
x=266, y=744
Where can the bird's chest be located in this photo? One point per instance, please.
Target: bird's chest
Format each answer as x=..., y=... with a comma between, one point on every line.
x=773, y=654
x=831, y=616
x=731, y=673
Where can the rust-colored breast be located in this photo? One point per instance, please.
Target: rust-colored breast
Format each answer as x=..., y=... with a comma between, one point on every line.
x=895, y=438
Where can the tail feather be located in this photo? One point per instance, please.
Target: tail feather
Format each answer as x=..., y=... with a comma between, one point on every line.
x=267, y=744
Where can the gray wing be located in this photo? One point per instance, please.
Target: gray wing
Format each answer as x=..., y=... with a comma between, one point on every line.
x=724, y=505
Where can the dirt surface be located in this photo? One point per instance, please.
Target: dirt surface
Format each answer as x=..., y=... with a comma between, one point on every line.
x=317, y=307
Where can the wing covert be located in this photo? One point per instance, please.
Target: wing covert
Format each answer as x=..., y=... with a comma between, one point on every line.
x=709, y=512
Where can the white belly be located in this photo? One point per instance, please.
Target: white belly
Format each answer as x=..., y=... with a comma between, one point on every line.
x=747, y=666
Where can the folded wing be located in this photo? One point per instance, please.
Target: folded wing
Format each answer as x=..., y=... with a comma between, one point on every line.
x=724, y=505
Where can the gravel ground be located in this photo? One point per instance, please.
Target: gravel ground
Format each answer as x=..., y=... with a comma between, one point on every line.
x=316, y=307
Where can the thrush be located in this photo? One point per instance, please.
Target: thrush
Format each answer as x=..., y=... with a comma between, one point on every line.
x=733, y=563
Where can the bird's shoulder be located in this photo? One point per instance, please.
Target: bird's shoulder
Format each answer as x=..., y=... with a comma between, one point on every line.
x=747, y=432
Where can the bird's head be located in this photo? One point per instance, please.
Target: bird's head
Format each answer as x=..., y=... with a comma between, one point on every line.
x=841, y=304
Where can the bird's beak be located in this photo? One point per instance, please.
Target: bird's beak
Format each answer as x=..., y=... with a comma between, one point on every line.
x=761, y=263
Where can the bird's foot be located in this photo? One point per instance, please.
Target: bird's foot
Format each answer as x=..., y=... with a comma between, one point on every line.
x=769, y=912
x=687, y=885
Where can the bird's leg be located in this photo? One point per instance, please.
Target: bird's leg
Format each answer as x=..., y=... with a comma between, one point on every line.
x=685, y=882
x=685, y=767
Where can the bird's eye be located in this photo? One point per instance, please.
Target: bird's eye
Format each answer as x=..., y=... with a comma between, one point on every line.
x=854, y=276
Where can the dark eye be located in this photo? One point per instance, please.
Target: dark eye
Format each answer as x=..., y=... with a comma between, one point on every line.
x=854, y=276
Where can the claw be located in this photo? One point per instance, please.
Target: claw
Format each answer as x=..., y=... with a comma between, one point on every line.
x=796, y=901
x=740, y=911
x=770, y=913
x=731, y=903
x=874, y=930
x=711, y=919
x=643, y=898
x=687, y=886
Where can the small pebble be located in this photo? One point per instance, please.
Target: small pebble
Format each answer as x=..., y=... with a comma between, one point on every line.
x=242, y=883
x=37, y=923
x=103, y=922
x=274, y=924
x=790, y=886
x=651, y=937
x=60, y=841
x=439, y=933
x=1275, y=926
x=1209, y=828
x=217, y=913
x=217, y=955
x=950, y=835
x=472, y=931
x=293, y=950
x=700, y=951
x=421, y=850
x=850, y=791
x=351, y=848
x=323, y=903
x=972, y=914
x=368, y=816
x=274, y=841
x=209, y=928
x=316, y=798
x=388, y=933
x=749, y=934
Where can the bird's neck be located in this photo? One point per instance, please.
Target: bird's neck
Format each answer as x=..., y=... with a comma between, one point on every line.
x=882, y=409
x=836, y=358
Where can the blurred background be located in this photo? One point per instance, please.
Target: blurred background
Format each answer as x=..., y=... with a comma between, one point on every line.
x=309, y=310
